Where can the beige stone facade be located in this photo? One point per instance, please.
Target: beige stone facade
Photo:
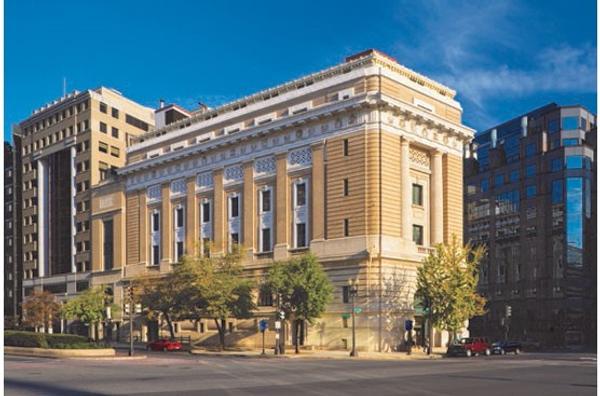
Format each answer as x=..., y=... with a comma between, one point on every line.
x=360, y=163
x=68, y=146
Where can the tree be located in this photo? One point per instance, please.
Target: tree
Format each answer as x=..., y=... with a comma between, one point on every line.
x=447, y=280
x=170, y=295
x=88, y=307
x=302, y=288
x=221, y=291
x=40, y=308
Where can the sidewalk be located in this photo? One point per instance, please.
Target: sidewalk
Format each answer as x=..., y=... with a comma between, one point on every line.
x=319, y=354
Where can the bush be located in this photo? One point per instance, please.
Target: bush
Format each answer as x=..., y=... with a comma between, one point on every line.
x=64, y=339
x=30, y=339
x=25, y=339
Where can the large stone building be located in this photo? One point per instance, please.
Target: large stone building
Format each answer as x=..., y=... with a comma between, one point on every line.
x=530, y=192
x=66, y=147
x=360, y=163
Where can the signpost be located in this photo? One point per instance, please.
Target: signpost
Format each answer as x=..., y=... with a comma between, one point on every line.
x=263, y=325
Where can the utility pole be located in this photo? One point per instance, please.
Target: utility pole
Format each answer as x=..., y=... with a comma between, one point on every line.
x=130, y=295
x=353, y=290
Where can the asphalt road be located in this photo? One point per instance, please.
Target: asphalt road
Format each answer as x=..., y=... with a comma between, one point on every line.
x=182, y=374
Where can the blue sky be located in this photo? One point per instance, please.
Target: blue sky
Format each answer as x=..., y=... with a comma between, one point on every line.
x=503, y=57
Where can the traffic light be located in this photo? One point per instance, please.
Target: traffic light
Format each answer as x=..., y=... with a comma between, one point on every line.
x=508, y=311
x=127, y=309
x=130, y=292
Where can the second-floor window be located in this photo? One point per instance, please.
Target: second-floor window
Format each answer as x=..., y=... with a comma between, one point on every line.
x=417, y=194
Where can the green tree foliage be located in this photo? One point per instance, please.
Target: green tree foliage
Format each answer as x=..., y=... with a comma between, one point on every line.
x=170, y=295
x=302, y=288
x=88, y=307
x=39, y=309
x=448, y=280
x=221, y=291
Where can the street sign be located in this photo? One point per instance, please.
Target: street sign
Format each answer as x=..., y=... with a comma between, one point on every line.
x=408, y=325
x=277, y=324
x=281, y=315
x=357, y=310
x=263, y=325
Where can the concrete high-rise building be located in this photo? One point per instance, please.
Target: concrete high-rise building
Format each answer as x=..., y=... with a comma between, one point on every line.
x=360, y=163
x=530, y=188
x=67, y=146
x=12, y=267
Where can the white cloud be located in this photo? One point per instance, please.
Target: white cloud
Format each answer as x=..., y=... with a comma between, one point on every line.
x=459, y=43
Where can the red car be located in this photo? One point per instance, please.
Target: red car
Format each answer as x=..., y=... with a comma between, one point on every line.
x=164, y=345
x=470, y=346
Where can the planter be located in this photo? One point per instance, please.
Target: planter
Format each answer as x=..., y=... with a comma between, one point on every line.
x=59, y=353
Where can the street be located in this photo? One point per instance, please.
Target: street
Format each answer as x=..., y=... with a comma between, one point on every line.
x=183, y=374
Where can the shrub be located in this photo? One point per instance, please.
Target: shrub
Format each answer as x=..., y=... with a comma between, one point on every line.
x=25, y=339
x=30, y=339
x=64, y=339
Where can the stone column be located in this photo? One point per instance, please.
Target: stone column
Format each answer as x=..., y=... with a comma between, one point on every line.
x=144, y=236
x=166, y=228
x=248, y=209
x=191, y=220
x=437, y=199
x=406, y=190
x=318, y=193
x=282, y=215
x=220, y=212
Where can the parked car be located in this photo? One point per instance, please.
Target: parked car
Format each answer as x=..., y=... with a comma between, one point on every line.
x=504, y=347
x=470, y=346
x=164, y=344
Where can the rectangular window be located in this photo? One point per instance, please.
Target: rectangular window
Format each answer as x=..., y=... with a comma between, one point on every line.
x=115, y=132
x=346, y=148
x=179, y=250
x=300, y=235
x=553, y=126
x=103, y=127
x=485, y=185
x=115, y=151
x=108, y=245
x=570, y=122
x=266, y=240
x=115, y=112
x=345, y=294
x=499, y=180
x=530, y=191
x=417, y=194
x=206, y=212
x=155, y=255
x=265, y=299
x=556, y=164
x=346, y=187
x=235, y=209
x=570, y=142
x=574, y=162
x=103, y=147
x=265, y=200
x=179, y=217
x=530, y=150
x=155, y=221
x=514, y=176
x=103, y=108
x=346, y=227
x=300, y=194
x=557, y=191
x=418, y=234
x=530, y=170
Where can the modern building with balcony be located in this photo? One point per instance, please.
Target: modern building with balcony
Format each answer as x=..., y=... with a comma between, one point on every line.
x=65, y=147
x=530, y=190
x=361, y=163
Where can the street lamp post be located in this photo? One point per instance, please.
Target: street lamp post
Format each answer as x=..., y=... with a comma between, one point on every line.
x=131, y=308
x=353, y=290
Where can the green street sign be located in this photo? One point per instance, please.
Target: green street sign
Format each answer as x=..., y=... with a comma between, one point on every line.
x=345, y=315
x=357, y=310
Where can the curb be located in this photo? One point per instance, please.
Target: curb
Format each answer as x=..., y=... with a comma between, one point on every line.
x=311, y=356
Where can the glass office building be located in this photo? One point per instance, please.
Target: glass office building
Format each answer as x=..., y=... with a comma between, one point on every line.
x=530, y=188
